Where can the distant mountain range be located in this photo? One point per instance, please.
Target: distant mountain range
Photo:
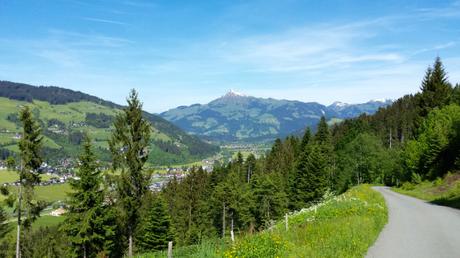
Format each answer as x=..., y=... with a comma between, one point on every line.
x=66, y=114
x=237, y=117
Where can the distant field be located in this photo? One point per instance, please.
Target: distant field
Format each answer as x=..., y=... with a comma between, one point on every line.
x=47, y=220
x=7, y=176
x=49, y=193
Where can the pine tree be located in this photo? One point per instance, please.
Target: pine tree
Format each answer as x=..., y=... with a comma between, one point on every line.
x=270, y=198
x=11, y=163
x=129, y=146
x=323, y=139
x=250, y=166
x=456, y=94
x=312, y=171
x=305, y=139
x=30, y=149
x=436, y=89
x=88, y=222
x=156, y=232
x=322, y=136
x=4, y=226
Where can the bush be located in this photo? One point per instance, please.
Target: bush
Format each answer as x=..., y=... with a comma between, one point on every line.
x=408, y=186
x=416, y=178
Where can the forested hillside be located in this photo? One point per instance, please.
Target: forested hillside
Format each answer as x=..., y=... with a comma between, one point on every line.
x=235, y=117
x=65, y=115
x=416, y=137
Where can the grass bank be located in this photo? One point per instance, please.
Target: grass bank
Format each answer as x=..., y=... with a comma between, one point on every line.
x=444, y=191
x=341, y=226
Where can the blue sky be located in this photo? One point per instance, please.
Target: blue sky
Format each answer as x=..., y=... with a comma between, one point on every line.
x=184, y=52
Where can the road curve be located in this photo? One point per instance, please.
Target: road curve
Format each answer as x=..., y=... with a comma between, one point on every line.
x=417, y=229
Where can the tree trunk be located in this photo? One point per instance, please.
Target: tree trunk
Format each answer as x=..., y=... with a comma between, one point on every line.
x=231, y=231
x=223, y=220
x=84, y=251
x=249, y=174
x=18, y=234
x=130, y=243
x=391, y=138
x=170, y=249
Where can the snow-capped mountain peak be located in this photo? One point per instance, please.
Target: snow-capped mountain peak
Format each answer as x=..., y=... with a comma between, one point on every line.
x=339, y=104
x=232, y=93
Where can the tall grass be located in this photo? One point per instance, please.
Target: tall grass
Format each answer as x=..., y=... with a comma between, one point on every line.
x=342, y=226
x=444, y=191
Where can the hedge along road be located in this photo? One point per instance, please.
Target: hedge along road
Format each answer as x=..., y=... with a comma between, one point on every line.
x=417, y=229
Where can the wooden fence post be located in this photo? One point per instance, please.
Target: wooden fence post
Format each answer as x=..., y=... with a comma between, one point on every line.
x=170, y=249
x=287, y=222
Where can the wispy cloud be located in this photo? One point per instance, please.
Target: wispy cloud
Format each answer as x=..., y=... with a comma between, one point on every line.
x=104, y=21
x=310, y=48
x=71, y=38
x=142, y=4
x=436, y=47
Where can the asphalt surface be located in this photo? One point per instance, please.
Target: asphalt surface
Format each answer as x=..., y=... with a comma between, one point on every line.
x=417, y=229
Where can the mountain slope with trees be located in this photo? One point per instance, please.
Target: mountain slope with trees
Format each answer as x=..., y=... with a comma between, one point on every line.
x=64, y=114
x=236, y=117
x=414, y=139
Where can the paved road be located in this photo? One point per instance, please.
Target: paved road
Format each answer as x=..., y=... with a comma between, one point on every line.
x=417, y=229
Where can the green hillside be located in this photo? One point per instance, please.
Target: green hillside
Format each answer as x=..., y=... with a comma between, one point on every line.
x=239, y=118
x=341, y=226
x=64, y=124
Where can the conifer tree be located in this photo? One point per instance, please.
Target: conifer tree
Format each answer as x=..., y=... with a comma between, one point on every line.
x=30, y=150
x=322, y=136
x=456, y=94
x=129, y=146
x=312, y=172
x=323, y=139
x=11, y=163
x=89, y=224
x=270, y=198
x=250, y=166
x=4, y=226
x=156, y=231
x=436, y=89
x=305, y=139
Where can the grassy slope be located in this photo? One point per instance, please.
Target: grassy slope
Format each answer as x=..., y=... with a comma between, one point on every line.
x=7, y=176
x=343, y=226
x=76, y=112
x=441, y=191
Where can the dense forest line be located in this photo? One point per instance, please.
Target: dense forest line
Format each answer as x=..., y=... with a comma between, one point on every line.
x=417, y=137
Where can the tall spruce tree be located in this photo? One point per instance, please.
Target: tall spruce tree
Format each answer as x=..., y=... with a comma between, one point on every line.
x=155, y=231
x=312, y=181
x=323, y=139
x=30, y=150
x=305, y=139
x=270, y=199
x=129, y=146
x=436, y=89
x=4, y=226
x=89, y=224
x=322, y=136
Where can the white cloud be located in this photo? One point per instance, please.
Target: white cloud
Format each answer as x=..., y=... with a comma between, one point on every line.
x=103, y=21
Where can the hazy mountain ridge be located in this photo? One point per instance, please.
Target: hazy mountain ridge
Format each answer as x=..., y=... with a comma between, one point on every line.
x=236, y=117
